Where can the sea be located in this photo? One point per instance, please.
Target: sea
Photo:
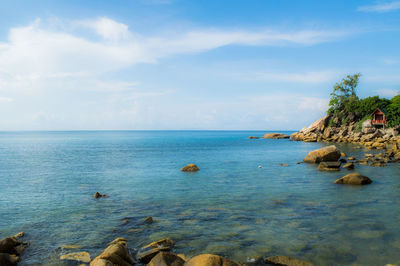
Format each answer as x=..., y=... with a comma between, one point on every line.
x=242, y=204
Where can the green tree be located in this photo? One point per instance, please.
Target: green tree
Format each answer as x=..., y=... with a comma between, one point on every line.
x=393, y=112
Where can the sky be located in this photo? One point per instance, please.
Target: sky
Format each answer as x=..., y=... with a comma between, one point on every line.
x=189, y=65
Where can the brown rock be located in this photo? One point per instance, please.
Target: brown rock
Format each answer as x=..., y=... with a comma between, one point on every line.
x=166, y=259
x=190, y=168
x=116, y=253
x=275, y=136
x=8, y=260
x=287, y=261
x=284, y=164
x=11, y=245
x=209, y=260
x=253, y=137
x=167, y=242
x=354, y=179
x=148, y=255
x=77, y=256
x=377, y=164
x=148, y=220
x=349, y=166
x=326, y=154
x=329, y=166
x=98, y=195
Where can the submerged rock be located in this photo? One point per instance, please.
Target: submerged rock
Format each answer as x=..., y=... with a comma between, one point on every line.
x=284, y=164
x=253, y=137
x=190, y=168
x=349, y=166
x=209, y=260
x=77, y=256
x=98, y=195
x=287, y=261
x=116, y=253
x=354, y=179
x=166, y=259
x=329, y=166
x=275, y=136
x=167, y=242
x=148, y=220
x=326, y=154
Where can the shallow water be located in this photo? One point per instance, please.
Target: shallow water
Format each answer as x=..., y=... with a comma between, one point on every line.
x=231, y=207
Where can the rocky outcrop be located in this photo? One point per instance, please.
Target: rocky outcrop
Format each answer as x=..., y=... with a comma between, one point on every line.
x=287, y=261
x=11, y=248
x=190, y=168
x=77, y=256
x=166, y=259
x=326, y=154
x=354, y=179
x=148, y=252
x=368, y=136
x=209, y=260
x=275, y=136
x=116, y=253
x=97, y=195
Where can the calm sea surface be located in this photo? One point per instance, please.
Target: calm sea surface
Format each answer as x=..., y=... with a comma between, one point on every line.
x=231, y=207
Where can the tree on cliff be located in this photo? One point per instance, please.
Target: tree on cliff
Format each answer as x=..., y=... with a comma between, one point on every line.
x=344, y=100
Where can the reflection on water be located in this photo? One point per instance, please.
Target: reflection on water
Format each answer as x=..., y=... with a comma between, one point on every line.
x=230, y=207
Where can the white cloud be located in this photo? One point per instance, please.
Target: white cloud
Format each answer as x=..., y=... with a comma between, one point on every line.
x=389, y=93
x=381, y=8
x=5, y=99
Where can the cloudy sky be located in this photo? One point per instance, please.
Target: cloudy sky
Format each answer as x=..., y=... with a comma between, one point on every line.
x=177, y=64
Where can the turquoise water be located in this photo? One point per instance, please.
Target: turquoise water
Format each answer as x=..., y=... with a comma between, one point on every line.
x=230, y=207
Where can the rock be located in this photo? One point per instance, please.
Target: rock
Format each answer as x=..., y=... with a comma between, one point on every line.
x=116, y=253
x=342, y=154
x=329, y=166
x=98, y=195
x=8, y=260
x=275, y=136
x=148, y=220
x=397, y=156
x=166, y=259
x=289, y=261
x=209, y=260
x=253, y=137
x=284, y=164
x=297, y=136
x=342, y=160
x=77, y=256
x=349, y=166
x=377, y=164
x=354, y=179
x=182, y=256
x=326, y=154
x=351, y=158
x=259, y=166
x=190, y=168
x=148, y=255
x=167, y=242
x=11, y=245
x=71, y=246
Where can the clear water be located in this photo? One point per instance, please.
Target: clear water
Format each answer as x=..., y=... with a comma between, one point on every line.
x=230, y=207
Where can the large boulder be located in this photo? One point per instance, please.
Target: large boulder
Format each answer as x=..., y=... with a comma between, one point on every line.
x=8, y=260
x=148, y=252
x=77, y=256
x=209, y=260
x=317, y=126
x=166, y=259
x=287, y=261
x=326, y=154
x=354, y=179
x=10, y=249
x=275, y=136
x=116, y=253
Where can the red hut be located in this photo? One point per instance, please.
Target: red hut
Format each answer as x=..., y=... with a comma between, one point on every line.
x=378, y=118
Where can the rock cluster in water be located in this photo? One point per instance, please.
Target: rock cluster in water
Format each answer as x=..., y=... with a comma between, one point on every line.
x=190, y=168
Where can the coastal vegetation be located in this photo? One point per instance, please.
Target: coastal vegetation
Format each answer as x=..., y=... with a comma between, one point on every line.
x=345, y=107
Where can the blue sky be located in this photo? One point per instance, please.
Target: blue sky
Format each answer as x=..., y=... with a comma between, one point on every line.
x=174, y=64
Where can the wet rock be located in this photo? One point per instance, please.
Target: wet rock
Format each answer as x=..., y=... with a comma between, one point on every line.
x=275, y=136
x=342, y=154
x=148, y=255
x=8, y=260
x=71, y=246
x=148, y=220
x=182, y=256
x=284, y=164
x=253, y=137
x=378, y=164
x=209, y=260
x=326, y=154
x=349, y=166
x=190, y=168
x=351, y=158
x=329, y=166
x=12, y=245
x=166, y=259
x=167, y=242
x=116, y=253
x=98, y=195
x=343, y=160
x=287, y=261
x=354, y=179
x=77, y=256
